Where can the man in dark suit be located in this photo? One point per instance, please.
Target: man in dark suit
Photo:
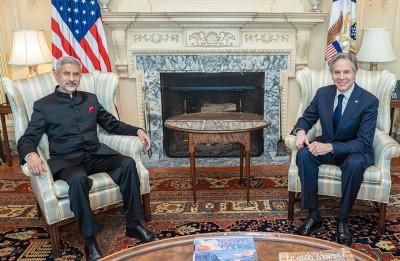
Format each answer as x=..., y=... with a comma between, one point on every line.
x=348, y=116
x=69, y=118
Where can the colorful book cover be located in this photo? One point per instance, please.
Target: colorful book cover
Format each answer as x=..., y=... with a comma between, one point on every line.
x=225, y=248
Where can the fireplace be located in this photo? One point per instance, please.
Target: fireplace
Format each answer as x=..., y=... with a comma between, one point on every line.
x=268, y=66
x=183, y=93
x=273, y=38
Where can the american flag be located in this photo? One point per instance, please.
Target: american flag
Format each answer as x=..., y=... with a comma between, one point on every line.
x=78, y=31
x=332, y=49
x=342, y=28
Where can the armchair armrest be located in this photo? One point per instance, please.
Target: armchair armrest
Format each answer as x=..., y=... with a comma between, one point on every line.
x=43, y=189
x=385, y=148
x=126, y=145
x=129, y=146
x=26, y=171
x=290, y=140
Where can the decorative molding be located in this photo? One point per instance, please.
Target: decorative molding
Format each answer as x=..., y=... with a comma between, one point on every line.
x=266, y=37
x=204, y=19
x=284, y=77
x=212, y=38
x=155, y=37
x=214, y=5
x=211, y=51
x=383, y=3
x=120, y=47
x=142, y=103
x=33, y=3
x=302, y=44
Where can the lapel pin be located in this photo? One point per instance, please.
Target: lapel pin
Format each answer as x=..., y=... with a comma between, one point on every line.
x=355, y=101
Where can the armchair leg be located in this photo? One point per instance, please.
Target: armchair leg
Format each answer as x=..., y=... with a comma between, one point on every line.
x=382, y=217
x=292, y=195
x=39, y=210
x=146, y=205
x=55, y=239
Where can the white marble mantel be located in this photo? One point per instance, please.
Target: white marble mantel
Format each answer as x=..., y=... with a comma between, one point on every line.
x=281, y=32
x=271, y=6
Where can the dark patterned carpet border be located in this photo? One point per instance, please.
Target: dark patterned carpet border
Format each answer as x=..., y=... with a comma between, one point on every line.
x=221, y=207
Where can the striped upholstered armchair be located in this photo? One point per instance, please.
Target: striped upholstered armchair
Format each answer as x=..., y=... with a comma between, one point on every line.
x=52, y=196
x=377, y=182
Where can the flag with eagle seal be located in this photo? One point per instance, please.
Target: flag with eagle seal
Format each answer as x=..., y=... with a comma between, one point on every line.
x=342, y=28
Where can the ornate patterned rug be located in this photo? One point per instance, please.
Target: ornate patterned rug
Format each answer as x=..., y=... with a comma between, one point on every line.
x=221, y=206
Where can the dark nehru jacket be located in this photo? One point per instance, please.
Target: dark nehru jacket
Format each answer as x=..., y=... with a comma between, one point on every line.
x=70, y=122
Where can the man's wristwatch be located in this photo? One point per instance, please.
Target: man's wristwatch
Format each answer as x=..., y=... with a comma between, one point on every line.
x=294, y=132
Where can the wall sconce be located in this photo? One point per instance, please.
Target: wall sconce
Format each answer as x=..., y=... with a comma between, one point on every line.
x=29, y=49
x=376, y=47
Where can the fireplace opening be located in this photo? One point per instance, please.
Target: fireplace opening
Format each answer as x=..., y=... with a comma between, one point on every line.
x=205, y=92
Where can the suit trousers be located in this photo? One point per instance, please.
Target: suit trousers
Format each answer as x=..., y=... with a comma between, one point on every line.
x=122, y=170
x=352, y=168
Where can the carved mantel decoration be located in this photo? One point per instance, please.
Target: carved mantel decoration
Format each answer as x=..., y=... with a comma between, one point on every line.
x=203, y=33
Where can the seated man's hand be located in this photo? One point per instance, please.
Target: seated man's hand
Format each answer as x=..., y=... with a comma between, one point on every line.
x=36, y=165
x=144, y=138
x=301, y=139
x=318, y=148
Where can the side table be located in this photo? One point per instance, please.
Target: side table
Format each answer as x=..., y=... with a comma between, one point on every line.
x=215, y=128
x=5, y=109
x=393, y=105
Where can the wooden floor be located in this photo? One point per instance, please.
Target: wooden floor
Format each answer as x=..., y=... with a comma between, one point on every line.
x=395, y=161
x=4, y=168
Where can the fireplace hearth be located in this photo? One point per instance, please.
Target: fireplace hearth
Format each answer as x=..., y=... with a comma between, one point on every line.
x=183, y=93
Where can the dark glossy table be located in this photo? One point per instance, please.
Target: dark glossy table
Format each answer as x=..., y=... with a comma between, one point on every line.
x=268, y=247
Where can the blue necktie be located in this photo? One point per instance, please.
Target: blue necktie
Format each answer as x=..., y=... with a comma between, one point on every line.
x=337, y=114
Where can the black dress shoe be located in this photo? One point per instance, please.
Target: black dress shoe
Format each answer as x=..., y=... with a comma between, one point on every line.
x=309, y=227
x=92, y=252
x=142, y=233
x=343, y=234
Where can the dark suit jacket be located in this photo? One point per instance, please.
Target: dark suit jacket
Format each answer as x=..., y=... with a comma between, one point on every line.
x=71, y=126
x=356, y=128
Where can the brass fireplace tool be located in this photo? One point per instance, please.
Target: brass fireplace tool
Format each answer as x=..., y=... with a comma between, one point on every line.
x=281, y=146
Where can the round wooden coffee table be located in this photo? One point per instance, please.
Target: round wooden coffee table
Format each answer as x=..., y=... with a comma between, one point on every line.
x=268, y=246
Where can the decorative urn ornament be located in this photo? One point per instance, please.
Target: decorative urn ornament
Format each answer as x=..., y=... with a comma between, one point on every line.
x=104, y=5
x=315, y=4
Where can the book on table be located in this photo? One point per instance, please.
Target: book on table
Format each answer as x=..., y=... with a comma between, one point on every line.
x=339, y=254
x=224, y=248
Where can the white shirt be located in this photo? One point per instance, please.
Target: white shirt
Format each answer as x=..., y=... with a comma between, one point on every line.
x=346, y=98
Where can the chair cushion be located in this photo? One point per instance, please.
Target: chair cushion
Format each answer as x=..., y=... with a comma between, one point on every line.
x=371, y=175
x=101, y=181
